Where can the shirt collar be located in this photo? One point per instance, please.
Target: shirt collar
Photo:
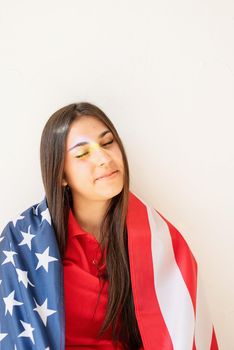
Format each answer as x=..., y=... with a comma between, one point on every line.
x=74, y=229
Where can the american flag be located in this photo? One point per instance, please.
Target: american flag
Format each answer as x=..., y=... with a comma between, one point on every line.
x=170, y=305
x=170, y=302
x=31, y=283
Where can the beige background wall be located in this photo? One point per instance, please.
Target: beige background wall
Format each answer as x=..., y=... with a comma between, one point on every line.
x=164, y=73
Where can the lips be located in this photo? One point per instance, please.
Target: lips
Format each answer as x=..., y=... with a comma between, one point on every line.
x=106, y=175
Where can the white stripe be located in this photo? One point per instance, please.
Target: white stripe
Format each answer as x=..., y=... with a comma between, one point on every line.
x=173, y=295
x=204, y=326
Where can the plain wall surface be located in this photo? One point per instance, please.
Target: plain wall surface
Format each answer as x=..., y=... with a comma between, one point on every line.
x=164, y=74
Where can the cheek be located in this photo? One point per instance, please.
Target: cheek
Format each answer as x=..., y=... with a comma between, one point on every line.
x=75, y=173
x=119, y=157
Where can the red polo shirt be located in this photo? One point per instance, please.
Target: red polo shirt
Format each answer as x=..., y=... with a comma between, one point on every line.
x=84, y=313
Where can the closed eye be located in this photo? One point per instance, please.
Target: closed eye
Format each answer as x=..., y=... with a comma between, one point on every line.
x=108, y=143
x=105, y=144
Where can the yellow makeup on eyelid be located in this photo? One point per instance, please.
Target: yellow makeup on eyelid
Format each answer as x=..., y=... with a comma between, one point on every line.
x=92, y=146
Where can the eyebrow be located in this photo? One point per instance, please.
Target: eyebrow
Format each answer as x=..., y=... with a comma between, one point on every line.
x=85, y=142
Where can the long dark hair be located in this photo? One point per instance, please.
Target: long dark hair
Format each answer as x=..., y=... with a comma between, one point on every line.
x=120, y=315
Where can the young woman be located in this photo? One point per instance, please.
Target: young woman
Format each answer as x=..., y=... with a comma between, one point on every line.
x=93, y=266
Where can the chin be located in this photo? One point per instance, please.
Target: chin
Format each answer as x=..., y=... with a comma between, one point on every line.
x=111, y=192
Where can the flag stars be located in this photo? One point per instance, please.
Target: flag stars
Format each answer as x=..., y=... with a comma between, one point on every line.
x=46, y=216
x=27, y=238
x=20, y=217
x=44, y=259
x=9, y=257
x=23, y=277
x=2, y=336
x=43, y=311
x=10, y=302
x=27, y=331
x=35, y=209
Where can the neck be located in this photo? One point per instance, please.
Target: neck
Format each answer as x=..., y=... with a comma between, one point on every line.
x=90, y=214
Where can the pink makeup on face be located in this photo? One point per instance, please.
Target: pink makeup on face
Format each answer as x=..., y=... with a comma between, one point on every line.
x=82, y=141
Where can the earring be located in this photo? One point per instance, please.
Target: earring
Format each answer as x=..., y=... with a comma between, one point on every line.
x=67, y=188
x=66, y=192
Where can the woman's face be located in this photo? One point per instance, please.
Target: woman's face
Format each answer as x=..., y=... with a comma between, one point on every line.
x=91, y=153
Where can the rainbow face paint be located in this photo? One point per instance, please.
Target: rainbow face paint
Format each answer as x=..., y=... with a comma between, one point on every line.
x=84, y=141
x=91, y=148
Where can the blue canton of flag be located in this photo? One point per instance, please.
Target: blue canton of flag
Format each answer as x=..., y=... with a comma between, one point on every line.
x=31, y=283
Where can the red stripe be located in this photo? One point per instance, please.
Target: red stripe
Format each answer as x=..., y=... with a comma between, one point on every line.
x=151, y=324
x=188, y=267
x=194, y=346
x=185, y=261
x=214, y=344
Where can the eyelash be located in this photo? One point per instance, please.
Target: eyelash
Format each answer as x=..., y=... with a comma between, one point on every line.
x=105, y=144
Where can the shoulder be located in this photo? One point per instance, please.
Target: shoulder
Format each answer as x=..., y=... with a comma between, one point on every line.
x=33, y=219
x=171, y=258
x=181, y=248
x=165, y=234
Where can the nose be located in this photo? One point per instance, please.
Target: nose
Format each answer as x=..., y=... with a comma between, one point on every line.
x=98, y=154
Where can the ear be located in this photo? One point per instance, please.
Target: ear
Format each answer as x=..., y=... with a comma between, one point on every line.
x=64, y=182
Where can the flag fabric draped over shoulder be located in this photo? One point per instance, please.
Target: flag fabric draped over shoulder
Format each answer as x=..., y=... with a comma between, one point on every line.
x=31, y=289
x=169, y=302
